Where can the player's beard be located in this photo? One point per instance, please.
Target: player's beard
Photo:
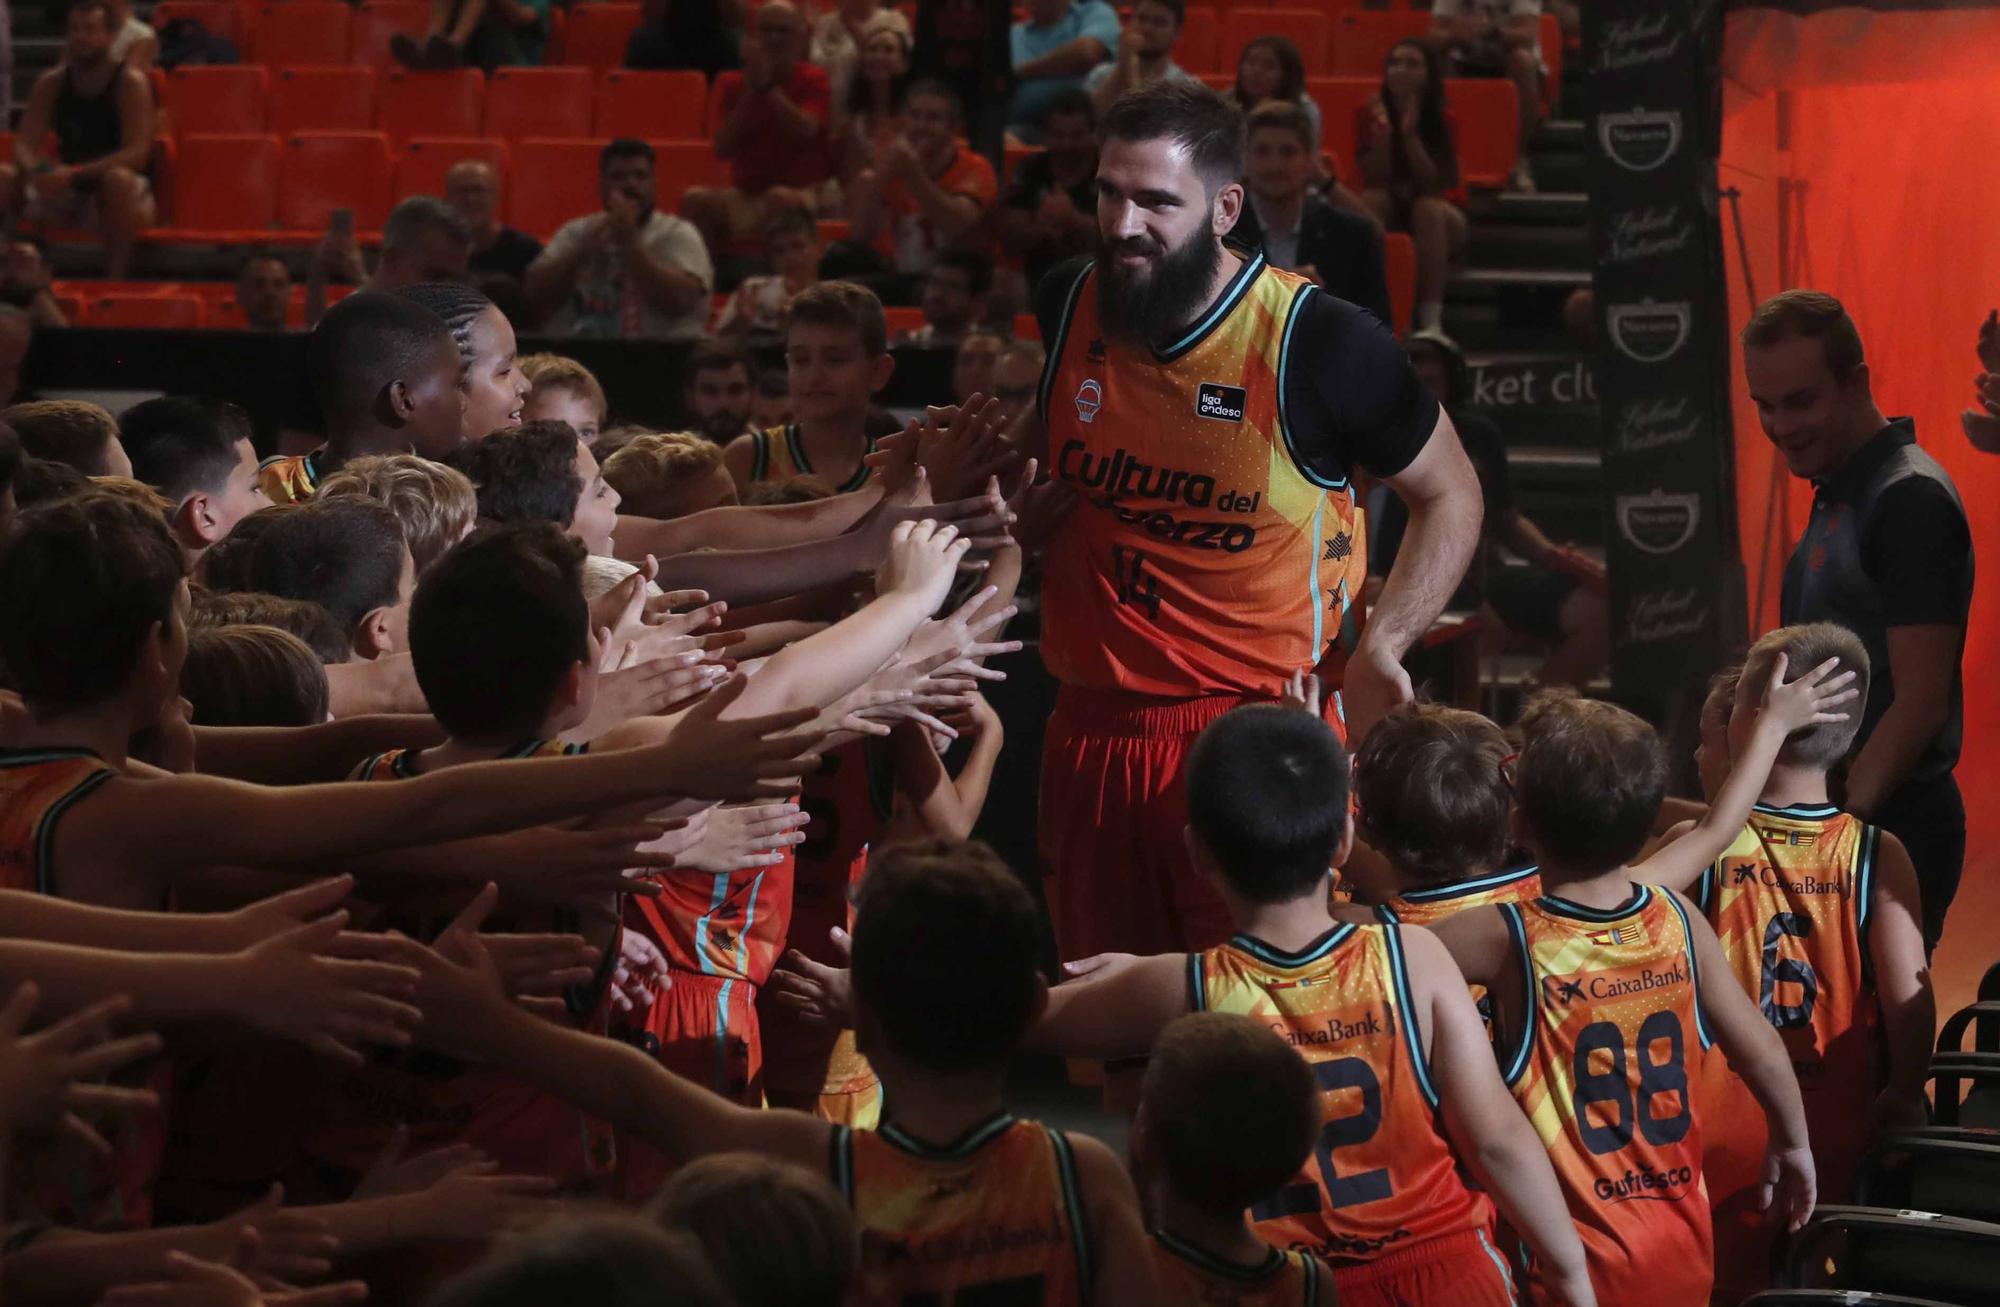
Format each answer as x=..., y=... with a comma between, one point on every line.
x=1141, y=305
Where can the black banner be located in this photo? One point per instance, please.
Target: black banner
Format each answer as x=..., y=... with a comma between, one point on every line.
x=1662, y=374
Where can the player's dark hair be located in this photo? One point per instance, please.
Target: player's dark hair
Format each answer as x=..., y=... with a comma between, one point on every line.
x=1267, y=795
x=1190, y=114
x=1431, y=795
x=608, y=1259
x=945, y=946
x=977, y=267
x=1230, y=1110
x=525, y=473
x=1589, y=780
x=300, y=617
x=363, y=344
x=252, y=676
x=181, y=446
x=83, y=580
x=495, y=626
x=346, y=555
x=776, y=1234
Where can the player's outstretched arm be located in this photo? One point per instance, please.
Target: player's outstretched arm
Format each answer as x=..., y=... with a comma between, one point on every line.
x=1124, y=1268
x=1115, y=1005
x=1902, y=986
x=468, y=1014
x=1785, y=707
x=302, y=755
x=1757, y=1054
x=1485, y=1124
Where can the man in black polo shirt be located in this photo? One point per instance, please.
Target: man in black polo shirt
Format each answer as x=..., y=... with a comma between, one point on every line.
x=1887, y=554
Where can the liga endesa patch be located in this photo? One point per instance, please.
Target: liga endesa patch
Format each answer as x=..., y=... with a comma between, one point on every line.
x=1223, y=403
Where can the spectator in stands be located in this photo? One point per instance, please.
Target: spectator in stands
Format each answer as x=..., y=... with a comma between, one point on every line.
x=134, y=43
x=473, y=189
x=841, y=36
x=972, y=366
x=1271, y=68
x=717, y=397
x=483, y=33
x=870, y=112
x=1145, y=52
x=922, y=192
x=1404, y=142
x=1054, y=48
x=263, y=291
x=628, y=272
x=686, y=34
x=1017, y=373
x=967, y=45
x=770, y=400
x=424, y=239
x=772, y=131
x=17, y=333
x=101, y=113
x=1051, y=208
x=791, y=241
x=1297, y=229
x=24, y=283
x=954, y=295
x=72, y=431
x=1497, y=38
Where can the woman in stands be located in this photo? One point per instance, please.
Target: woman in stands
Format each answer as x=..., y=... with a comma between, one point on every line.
x=1271, y=68
x=874, y=102
x=1404, y=142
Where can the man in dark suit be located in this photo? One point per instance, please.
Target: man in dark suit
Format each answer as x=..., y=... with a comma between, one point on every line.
x=1297, y=229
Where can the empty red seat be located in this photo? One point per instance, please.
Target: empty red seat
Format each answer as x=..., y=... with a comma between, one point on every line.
x=1488, y=113
x=1361, y=40
x=678, y=165
x=598, y=33
x=421, y=166
x=223, y=18
x=1399, y=259
x=1304, y=28
x=901, y=320
x=377, y=21
x=323, y=171
x=225, y=184
x=211, y=98
x=1338, y=98
x=556, y=181
x=1199, y=47
x=538, y=102
x=430, y=104
x=646, y=105
x=300, y=32
x=143, y=309
x=322, y=99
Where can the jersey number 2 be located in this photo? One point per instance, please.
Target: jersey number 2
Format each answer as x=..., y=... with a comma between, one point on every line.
x=1337, y=1132
x=1611, y=1088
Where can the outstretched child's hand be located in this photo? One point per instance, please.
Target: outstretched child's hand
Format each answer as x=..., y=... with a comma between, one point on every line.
x=253, y=923
x=44, y=1076
x=292, y=988
x=195, y=1282
x=474, y=1201
x=267, y=1239
x=566, y=867
x=540, y=966
x=641, y=974
x=741, y=837
x=814, y=993
x=1302, y=691
x=460, y=989
x=923, y=559
x=743, y=758
x=1809, y=700
x=1790, y=1187
x=392, y=1172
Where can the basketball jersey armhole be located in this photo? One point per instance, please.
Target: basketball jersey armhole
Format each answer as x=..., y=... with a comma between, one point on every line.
x=1053, y=363
x=1673, y=901
x=1704, y=888
x=760, y=455
x=1299, y=300
x=45, y=829
x=1079, y=1219
x=1516, y=1065
x=1197, y=984
x=1311, y=1265
x=1413, y=1033
x=840, y=1162
x=1864, y=898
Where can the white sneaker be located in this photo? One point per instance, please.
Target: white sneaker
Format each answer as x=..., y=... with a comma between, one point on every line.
x=1521, y=180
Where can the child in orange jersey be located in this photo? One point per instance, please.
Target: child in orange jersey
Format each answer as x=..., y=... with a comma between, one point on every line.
x=1228, y=1114
x=1817, y=913
x=954, y=1196
x=1606, y=994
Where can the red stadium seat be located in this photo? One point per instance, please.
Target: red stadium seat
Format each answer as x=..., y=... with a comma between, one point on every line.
x=598, y=33
x=225, y=184
x=900, y=320
x=1488, y=113
x=421, y=167
x=430, y=104
x=1338, y=98
x=323, y=171
x=833, y=229
x=563, y=185
x=1199, y=47
x=1012, y=160
x=125, y=309
x=645, y=105
x=538, y=102
x=323, y=99
x=1399, y=256
x=223, y=18
x=211, y=98
x=677, y=165
x=1305, y=28
x=1362, y=39
x=1027, y=327
x=376, y=21
x=300, y=32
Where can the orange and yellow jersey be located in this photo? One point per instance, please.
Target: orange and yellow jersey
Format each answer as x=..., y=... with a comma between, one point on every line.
x=1381, y=1178
x=1219, y=546
x=37, y=787
x=1433, y=903
x=1192, y=1276
x=291, y=478
x=727, y=925
x=779, y=454
x=1610, y=1045
x=995, y=1216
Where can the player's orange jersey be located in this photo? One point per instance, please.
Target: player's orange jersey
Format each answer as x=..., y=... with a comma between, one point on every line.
x=1381, y=1178
x=728, y=924
x=1604, y=1065
x=779, y=454
x=1191, y=1276
x=1433, y=903
x=995, y=1216
x=37, y=786
x=290, y=478
x=1204, y=558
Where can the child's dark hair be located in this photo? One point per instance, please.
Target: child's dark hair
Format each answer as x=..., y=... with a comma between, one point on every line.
x=456, y=304
x=225, y=568
x=83, y=581
x=843, y=304
x=494, y=627
x=182, y=446
x=1267, y=795
x=608, y=1259
x=364, y=343
x=299, y=617
x=1230, y=1110
x=43, y=481
x=1431, y=797
x=1589, y=781
x=945, y=946
x=72, y=431
x=776, y=1234
x=252, y=676
x=525, y=473
x=345, y=554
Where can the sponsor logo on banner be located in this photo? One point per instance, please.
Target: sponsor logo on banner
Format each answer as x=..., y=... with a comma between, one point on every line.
x=1658, y=523
x=1650, y=331
x=1640, y=140
x=1533, y=385
x=1223, y=403
x=1661, y=616
x=1648, y=233
x=1653, y=424
x=1640, y=41
x=1089, y=399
